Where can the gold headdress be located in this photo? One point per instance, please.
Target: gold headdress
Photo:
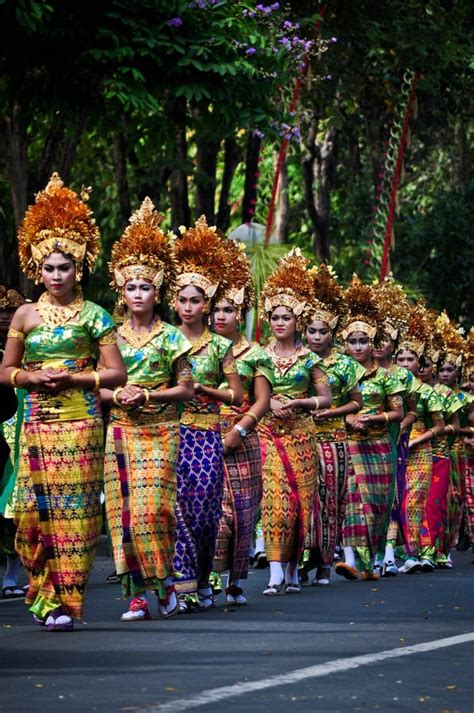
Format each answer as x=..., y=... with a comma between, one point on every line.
x=364, y=315
x=393, y=306
x=58, y=221
x=453, y=343
x=10, y=299
x=329, y=304
x=434, y=345
x=290, y=286
x=201, y=256
x=240, y=292
x=144, y=251
x=468, y=367
x=417, y=334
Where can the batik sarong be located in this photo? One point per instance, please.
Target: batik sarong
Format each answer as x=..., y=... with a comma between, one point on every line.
x=329, y=507
x=58, y=511
x=456, y=494
x=240, y=504
x=289, y=470
x=200, y=481
x=413, y=505
x=470, y=492
x=370, y=493
x=397, y=531
x=436, y=505
x=140, y=496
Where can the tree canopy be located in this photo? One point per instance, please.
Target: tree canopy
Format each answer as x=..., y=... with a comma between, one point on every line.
x=187, y=101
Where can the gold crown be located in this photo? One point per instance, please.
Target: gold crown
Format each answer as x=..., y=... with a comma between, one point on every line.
x=240, y=291
x=201, y=257
x=290, y=286
x=58, y=221
x=10, y=299
x=144, y=251
x=329, y=304
x=363, y=313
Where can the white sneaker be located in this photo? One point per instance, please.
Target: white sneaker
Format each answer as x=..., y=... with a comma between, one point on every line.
x=411, y=566
x=390, y=569
x=427, y=566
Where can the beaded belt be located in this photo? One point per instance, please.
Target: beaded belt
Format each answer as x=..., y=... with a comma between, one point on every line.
x=202, y=421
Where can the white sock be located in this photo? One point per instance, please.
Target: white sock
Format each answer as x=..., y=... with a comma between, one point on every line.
x=349, y=556
x=276, y=573
x=389, y=554
x=11, y=571
x=291, y=578
x=259, y=545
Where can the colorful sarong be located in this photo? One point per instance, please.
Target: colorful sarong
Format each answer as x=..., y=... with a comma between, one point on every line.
x=58, y=511
x=370, y=493
x=200, y=481
x=289, y=470
x=470, y=492
x=140, y=496
x=436, y=505
x=456, y=494
x=413, y=505
x=397, y=531
x=329, y=507
x=240, y=504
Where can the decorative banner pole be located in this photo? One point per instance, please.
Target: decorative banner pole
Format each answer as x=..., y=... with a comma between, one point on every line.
x=386, y=200
x=284, y=141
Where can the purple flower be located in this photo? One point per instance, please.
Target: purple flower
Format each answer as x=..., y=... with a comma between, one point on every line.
x=329, y=76
x=174, y=22
x=251, y=50
x=287, y=25
x=333, y=39
x=275, y=6
x=284, y=41
x=259, y=134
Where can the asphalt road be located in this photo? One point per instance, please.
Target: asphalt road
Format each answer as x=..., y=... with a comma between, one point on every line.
x=142, y=667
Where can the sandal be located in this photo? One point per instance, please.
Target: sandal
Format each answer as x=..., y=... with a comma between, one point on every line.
x=292, y=588
x=13, y=592
x=206, y=598
x=58, y=620
x=275, y=589
x=235, y=595
x=164, y=603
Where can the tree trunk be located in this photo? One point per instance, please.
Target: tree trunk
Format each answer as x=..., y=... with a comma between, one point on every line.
x=207, y=149
x=232, y=158
x=70, y=146
x=461, y=153
x=119, y=158
x=283, y=215
x=180, y=212
x=251, y=177
x=319, y=164
x=16, y=159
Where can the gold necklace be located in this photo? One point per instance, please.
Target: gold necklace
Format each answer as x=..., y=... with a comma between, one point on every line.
x=139, y=339
x=57, y=315
x=241, y=346
x=200, y=342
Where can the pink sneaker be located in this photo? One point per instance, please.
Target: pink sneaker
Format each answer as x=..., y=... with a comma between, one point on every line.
x=137, y=611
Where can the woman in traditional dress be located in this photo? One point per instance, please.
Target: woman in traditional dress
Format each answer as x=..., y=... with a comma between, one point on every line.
x=202, y=277
x=468, y=433
x=143, y=434
x=10, y=300
x=242, y=462
x=372, y=481
x=436, y=504
x=428, y=424
x=51, y=348
x=287, y=432
x=394, y=308
x=344, y=373
x=449, y=371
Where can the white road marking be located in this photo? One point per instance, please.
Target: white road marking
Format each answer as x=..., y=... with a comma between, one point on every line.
x=216, y=695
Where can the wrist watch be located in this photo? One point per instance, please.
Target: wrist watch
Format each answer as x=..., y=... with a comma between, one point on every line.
x=243, y=431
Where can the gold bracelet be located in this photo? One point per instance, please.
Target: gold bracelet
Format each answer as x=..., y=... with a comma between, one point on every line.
x=115, y=393
x=412, y=413
x=96, y=376
x=450, y=426
x=13, y=376
x=385, y=415
x=316, y=403
x=231, y=392
x=252, y=415
x=146, y=394
x=356, y=403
